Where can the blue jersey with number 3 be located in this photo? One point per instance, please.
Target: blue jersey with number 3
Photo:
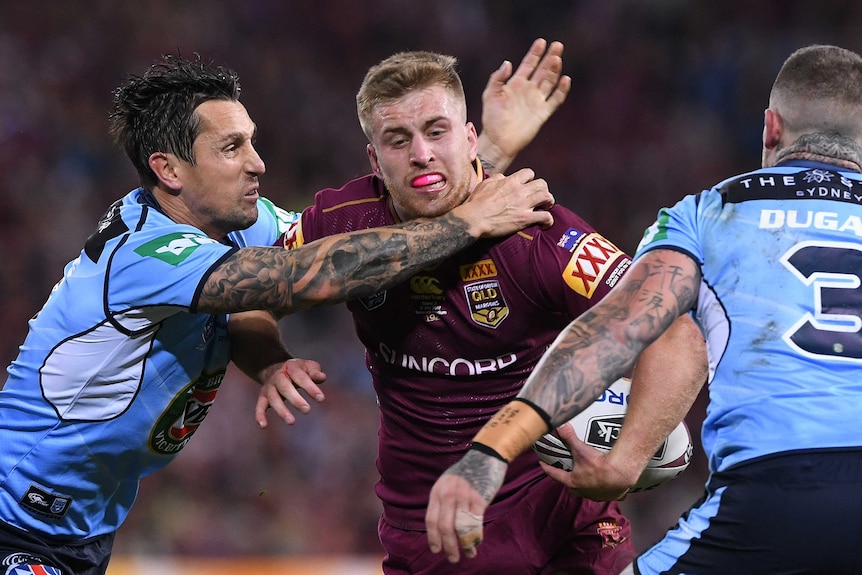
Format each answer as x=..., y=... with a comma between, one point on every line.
x=780, y=250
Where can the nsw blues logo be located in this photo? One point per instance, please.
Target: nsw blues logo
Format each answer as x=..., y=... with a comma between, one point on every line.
x=45, y=503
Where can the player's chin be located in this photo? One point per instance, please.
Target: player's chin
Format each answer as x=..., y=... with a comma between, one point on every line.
x=437, y=207
x=245, y=218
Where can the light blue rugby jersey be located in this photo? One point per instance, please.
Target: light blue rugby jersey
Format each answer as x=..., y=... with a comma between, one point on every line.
x=116, y=373
x=780, y=251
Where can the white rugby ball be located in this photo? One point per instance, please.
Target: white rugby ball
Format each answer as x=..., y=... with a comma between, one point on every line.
x=599, y=426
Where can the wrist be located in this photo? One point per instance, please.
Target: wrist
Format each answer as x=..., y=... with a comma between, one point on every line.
x=627, y=466
x=267, y=368
x=472, y=221
x=513, y=430
x=494, y=159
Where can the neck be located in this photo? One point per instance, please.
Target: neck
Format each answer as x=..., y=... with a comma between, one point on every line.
x=831, y=148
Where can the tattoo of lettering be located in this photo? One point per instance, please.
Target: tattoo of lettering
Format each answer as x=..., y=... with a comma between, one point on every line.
x=333, y=269
x=484, y=473
x=603, y=343
x=831, y=148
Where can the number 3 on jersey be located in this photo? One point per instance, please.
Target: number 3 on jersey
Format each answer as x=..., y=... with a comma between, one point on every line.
x=832, y=269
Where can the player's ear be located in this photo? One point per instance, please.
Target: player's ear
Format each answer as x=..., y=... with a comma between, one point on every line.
x=164, y=166
x=473, y=139
x=773, y=126
x=372, y=157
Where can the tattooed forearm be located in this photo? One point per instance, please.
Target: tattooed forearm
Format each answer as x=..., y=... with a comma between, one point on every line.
x=604, y=342
x=333, y=269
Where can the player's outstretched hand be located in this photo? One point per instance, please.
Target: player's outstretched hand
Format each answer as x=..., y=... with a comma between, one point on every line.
x=515, y=106
x=282, y=387
x=457, y=504
x=502, y=205
x=592, y=475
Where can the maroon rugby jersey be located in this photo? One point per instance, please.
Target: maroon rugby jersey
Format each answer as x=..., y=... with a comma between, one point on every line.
x=454, y=344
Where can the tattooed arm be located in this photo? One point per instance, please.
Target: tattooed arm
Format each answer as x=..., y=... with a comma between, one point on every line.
x=602, y=345
x=667, y=379
x=592, y=352
x=348, y=266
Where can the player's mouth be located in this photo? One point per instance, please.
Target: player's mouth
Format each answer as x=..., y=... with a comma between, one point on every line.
x=429, y=182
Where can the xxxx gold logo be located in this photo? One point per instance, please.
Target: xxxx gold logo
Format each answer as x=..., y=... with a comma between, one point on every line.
x=478, y=271
x=425, y=285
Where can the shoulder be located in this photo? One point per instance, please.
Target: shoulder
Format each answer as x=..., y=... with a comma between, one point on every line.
x=359, y=204
x=365, y=190
x=567, y=230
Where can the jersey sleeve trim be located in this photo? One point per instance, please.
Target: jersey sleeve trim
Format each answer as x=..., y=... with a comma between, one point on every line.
x=193, y=308
x=675, y=248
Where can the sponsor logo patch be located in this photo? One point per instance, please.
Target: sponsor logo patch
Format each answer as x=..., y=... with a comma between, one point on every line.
x=293, y=237
x=45, y=503
x=602, y=432
x=427, y=297
x=609, y=531
x=374, y=301
x=478, y=271
x=33, y=567
x=26, y=564
x=570, y=239
x=487, y=305
x=185, y=414
x=173, y=248
x=590, y=261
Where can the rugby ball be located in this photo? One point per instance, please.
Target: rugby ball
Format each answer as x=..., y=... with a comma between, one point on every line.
x=599, y=426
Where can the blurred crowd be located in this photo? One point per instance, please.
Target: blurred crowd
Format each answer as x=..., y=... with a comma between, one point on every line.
x=667, y=99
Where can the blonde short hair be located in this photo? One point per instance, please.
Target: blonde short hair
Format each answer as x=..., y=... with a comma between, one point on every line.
x=401, y=74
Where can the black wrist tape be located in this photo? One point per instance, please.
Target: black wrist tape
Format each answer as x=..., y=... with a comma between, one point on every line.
x=487, y=450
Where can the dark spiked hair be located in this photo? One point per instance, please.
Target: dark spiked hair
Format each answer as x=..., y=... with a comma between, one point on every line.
x=156, y=112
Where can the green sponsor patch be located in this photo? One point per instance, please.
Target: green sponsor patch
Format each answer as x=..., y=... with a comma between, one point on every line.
x=657, y=231
x=173, y=248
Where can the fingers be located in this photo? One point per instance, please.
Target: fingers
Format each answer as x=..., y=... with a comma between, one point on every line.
x=468, y=526
x=544, y=69
x=454, y=519
x=305, y=375
x=567, y=433
x=260, y=408
x=503, y=205
x=560, y=92
x=535, y=190
x=548, y=71
x=557, y=474
x=270, y=397
x=499, y=77
x=532, y=58
x=440, y=519
x=284, y=388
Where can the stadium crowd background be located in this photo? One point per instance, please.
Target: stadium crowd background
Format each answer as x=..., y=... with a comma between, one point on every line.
x=667, y=98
